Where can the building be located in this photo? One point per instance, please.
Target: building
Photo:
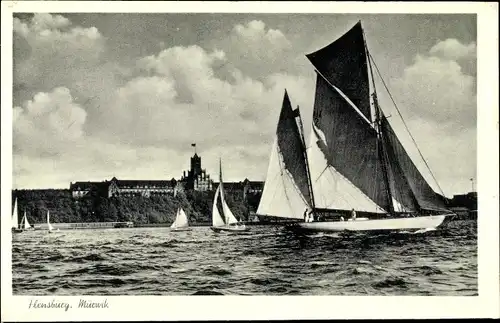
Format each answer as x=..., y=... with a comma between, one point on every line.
x=117, y=187
x=196, y=178
x=468, y=200
x=246, y=187
x=144, y=188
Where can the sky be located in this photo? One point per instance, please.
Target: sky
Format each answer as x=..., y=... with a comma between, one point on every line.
x=125, y=95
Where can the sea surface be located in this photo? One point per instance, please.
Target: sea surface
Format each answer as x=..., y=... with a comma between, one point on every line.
x=268, y=260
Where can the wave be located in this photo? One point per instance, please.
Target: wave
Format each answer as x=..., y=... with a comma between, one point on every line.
x=87, y=258
x=217, y=271
x=391, y=282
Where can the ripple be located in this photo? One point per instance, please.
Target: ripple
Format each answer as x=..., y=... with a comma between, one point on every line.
x=269, y=261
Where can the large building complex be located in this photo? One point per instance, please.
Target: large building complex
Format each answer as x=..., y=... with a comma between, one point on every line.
x=195, y=179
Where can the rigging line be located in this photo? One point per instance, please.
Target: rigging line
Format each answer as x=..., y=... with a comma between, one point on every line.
x=404, y=123
x=346, y=98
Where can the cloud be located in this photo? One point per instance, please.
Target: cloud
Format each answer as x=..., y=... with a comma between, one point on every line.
x=453, y=49
x=48, y=124
x=438, y=101
x=49, y=52
x=257, y=50
x=181, y=100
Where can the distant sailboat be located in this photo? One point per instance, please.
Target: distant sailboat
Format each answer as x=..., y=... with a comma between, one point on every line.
x=25, y=224
x=225, y=221
x=355, y=162
x=181, y=222
x=16, y=228
x=49, y=226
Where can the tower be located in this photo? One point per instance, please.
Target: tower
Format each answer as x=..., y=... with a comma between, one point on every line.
x=195, y=166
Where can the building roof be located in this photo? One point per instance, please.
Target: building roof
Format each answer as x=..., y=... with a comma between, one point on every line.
x=142, y=183
x=85, y=186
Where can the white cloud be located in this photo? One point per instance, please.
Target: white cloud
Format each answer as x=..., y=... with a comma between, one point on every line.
x=453, y=49
x=438, y=101
x=49, y=53
x=48, y=124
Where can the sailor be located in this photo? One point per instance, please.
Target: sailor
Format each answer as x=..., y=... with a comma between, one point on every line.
x=310, y=215
x=305, y=215
x=353, y=214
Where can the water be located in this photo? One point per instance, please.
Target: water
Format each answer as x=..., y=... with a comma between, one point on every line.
x=266, y=261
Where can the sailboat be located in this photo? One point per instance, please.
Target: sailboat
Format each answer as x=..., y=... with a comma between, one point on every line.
x=16, y=228
x=49, y=226
x=181, y=222
x=224, y=220
x=355, y=175
x=25, y=225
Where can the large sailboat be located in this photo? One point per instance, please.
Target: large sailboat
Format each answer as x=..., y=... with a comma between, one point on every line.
x=16, y=228
x=223, y=218
x=355, y=174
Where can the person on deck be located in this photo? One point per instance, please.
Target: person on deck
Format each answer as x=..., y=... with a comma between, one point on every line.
x=353, y=214
x=310, y=215
x=305, y=215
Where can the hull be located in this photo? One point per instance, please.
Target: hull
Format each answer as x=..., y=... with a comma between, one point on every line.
x=180, y=229
x=230, y=229
x=414, y=223
x=17, y=230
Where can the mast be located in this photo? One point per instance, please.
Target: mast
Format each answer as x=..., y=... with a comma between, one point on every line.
x=378, y=119
x=226, y=217
x=304, y=151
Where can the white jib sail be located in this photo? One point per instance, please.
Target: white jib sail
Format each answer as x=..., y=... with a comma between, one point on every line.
x=15, y=220
x=50, y=227
x=228, y=214
x=217, y=220
x=331, y=189
x=26, y=223
x=280, y=197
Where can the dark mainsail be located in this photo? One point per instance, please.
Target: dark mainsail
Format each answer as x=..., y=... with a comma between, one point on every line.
x=422, y=192
x=351, y=143
x=291, y=147
x=344, y=64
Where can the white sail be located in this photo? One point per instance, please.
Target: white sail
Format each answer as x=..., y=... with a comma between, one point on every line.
x=331, y=189
x=174, y=225
x=217, y=220
x=228, y=215
x=26, y=223
x=15, y=220
x=280, y=197
x=181, y=220
x=50, y=227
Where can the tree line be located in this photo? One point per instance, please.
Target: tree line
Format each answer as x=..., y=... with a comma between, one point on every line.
x=155, y=209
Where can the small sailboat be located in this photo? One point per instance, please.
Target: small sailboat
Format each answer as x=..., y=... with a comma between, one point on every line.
x=16, y=228
x=49, y=226
x=224, y=219
x=181, y=222
x=25, y=225
x=354, y=164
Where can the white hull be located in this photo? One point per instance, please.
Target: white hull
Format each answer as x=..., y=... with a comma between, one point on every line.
x=413, y=223
x=181, y=229
x=239, y=228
